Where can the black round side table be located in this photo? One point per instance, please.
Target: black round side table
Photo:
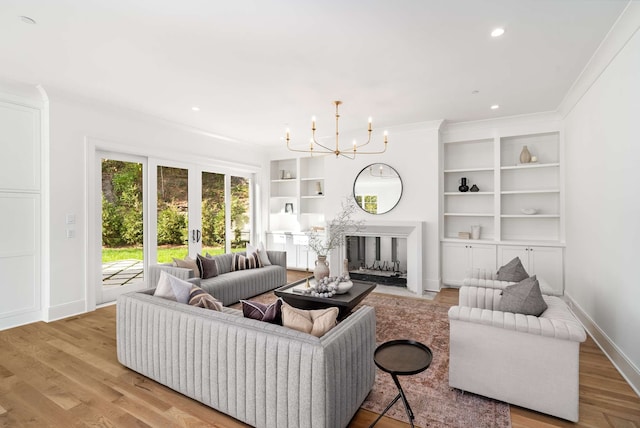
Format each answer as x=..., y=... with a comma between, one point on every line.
x=401, y=358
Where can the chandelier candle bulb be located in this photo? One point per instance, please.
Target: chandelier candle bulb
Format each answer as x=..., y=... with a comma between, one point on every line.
x=369, y=124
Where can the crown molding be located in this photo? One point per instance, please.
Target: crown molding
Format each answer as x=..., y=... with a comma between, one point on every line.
x=625, y=27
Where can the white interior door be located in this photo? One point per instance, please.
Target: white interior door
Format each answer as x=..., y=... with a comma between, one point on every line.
x=20, y=214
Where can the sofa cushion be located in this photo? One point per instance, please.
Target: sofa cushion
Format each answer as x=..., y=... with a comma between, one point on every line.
x=188, y=263
x=208, y=267
x=261, y=251
x=512, y=271
x=242, y=262
x=524, y=297
x=201, y=299
x=315, y=322
x=259, y=311
x=172, y=288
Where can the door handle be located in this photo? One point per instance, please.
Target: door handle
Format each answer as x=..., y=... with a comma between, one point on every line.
x=193, y=235
x=199, y=236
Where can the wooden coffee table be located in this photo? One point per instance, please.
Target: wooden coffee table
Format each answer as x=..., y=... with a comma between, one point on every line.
x=344, y=302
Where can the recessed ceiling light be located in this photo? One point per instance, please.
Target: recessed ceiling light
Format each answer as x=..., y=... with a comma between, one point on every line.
x=497, y=32
x=475, y=92
x=495, y=107
x=27, y=20
x=195, y=108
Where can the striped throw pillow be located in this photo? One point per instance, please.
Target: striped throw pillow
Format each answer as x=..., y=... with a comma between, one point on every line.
x=200, y=298
x=242, y=262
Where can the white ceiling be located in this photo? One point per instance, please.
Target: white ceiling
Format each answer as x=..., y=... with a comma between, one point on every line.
x=255, y=67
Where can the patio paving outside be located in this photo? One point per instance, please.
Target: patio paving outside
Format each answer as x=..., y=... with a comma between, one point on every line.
x=122, y=272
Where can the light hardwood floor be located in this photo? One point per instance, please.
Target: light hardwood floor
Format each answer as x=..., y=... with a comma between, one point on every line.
x=65, y=374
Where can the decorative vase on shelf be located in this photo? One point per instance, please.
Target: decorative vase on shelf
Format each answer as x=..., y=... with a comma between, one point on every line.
x=463, y=185
x=475, y=231
x=322, y=268
x=474, y=188
x=525, y=156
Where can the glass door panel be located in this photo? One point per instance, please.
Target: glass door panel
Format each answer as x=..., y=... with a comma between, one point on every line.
x=213, y=213
x=122, y=226
x=240, y=213
x=172, y=213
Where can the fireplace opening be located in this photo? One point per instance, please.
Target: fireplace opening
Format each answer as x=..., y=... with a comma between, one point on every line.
x=379, y=259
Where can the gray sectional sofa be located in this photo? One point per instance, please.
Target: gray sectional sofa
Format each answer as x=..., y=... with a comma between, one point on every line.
x=263, y=374
x=231, y=286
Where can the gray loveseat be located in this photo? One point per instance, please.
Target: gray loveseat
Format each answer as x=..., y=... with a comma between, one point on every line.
x=263, y=374
x=231, y=286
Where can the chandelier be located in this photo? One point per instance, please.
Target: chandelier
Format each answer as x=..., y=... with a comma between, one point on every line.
x=317, y=148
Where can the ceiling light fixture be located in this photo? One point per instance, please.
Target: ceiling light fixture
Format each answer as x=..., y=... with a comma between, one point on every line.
x=347, y=153
x=27, y=20
x=495, y=107
x=497, y=32
x=195, y=108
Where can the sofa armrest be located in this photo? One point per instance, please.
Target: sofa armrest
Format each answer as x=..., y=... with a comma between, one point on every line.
x=557, y=328
x=155, y=270
x=350, y=369
x=277, y=258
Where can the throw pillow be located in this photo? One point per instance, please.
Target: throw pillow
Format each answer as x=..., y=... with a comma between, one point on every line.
x=262, y=253
x=259, y=311
x=188, y=263
x=523, y=298
x=242, y=262
x=208, y=267
x=512, y=271
x=171, y=288
x=200, y=298
x=316, y=322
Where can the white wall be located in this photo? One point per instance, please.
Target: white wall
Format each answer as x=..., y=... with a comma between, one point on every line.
x=72, y=120
x=602, y=136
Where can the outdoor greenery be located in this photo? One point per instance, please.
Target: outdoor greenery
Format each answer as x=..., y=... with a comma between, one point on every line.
x=165, y=254
x=122, y=214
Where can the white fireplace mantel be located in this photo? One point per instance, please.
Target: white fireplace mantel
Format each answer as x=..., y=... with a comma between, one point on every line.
x=412, y=231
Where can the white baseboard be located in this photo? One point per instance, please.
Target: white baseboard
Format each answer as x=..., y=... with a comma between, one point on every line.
x=65, y=310
x=620, y=361
x=20, y=319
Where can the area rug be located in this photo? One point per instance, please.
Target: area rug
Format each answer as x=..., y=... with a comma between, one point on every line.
x=433, y=402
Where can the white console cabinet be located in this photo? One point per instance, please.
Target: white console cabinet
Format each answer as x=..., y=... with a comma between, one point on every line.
x=458, y=259
x=299, y=255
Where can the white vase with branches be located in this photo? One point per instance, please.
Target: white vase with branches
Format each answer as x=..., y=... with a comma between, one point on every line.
x=322, y=243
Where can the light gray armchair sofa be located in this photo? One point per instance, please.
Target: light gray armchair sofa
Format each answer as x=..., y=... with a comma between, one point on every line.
x=525, y=360
x=263, y=374
x=231, y=286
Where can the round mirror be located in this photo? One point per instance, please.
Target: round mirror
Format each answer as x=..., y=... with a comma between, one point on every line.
x=377, y=189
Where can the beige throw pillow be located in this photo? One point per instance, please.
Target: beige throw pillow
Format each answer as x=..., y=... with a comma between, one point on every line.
x=316, y=322
x=188, y=263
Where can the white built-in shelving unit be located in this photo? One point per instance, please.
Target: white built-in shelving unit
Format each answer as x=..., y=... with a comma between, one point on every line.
x=296, y=198
x=506, y=188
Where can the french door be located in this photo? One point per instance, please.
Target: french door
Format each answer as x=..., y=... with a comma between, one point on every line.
x=166, y=210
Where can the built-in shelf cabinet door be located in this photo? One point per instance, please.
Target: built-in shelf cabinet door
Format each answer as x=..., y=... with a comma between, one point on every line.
x=458, y=259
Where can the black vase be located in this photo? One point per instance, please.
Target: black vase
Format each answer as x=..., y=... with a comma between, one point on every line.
x=463, y=185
